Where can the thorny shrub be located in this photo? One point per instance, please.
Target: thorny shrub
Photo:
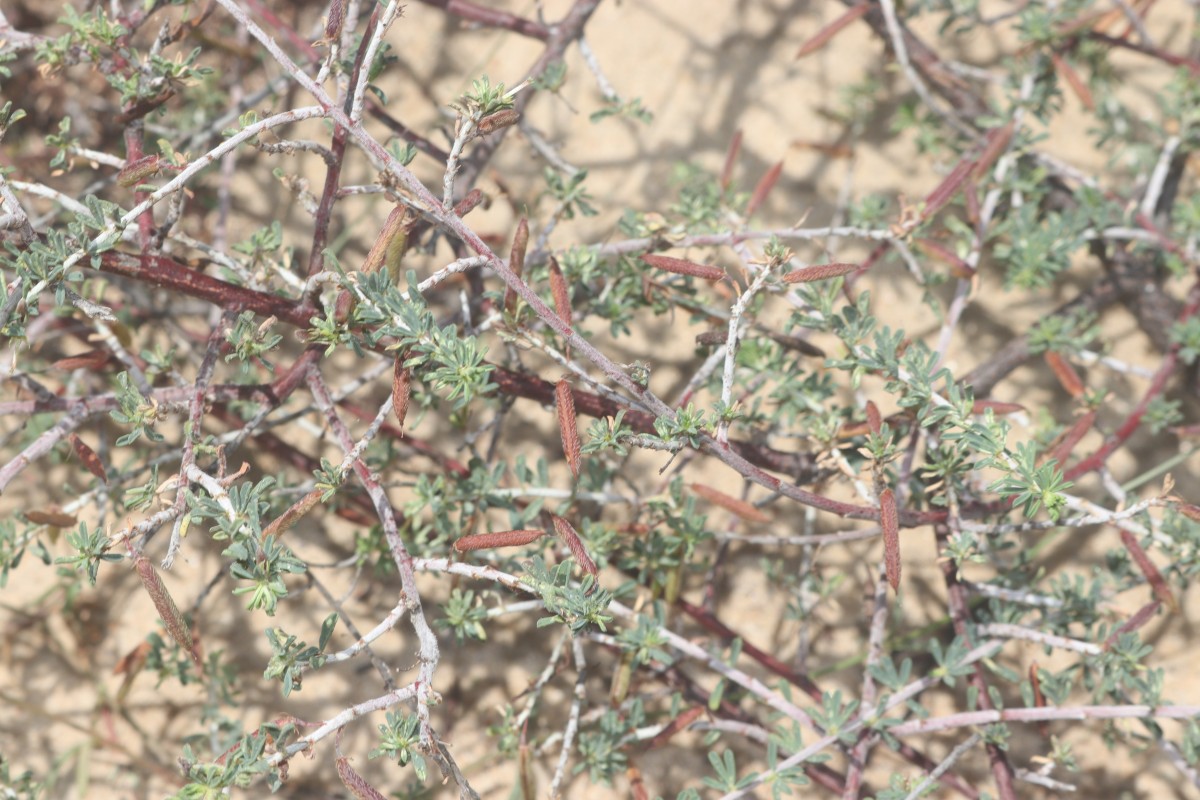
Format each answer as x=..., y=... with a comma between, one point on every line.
x=264, y=345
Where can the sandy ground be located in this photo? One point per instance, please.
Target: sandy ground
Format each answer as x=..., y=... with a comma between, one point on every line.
x=706, y=69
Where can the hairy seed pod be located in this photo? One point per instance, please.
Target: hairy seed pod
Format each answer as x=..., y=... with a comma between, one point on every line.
x=355, y=783
x=1066, y=445
x=165, y=605
x=1158, y=584
x=490, y=541
x=711, y=338
x=566, y=532
x=874, y=420
x=680, y=723
x=516, y=261
x=735, y=145
x=558, y=288
x=823, y=36
x=401, y=391
x=564, y=404
x=683, y=267
x=1139, y=618
x=818, y=272
x=763, y=188
x=93, y=359
x=889, y=520
x=134, y=173
x=739, y=508
x=497, y=121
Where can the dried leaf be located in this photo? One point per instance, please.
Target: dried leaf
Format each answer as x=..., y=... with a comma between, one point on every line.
x=489, y=541
x=889, y=520
x=55, y=519
x=818, y=272
x=874, y=420
x=401, y=391
x=823, y=36
x=739, y=508
x=564, y=404
x=1065, y=373
x=88, y=456
x=683, y=267
x=92, y=359
x=764, y=187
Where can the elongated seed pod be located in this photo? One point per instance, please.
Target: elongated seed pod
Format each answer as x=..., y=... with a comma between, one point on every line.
x=735, y=145
x=293, y=514
x=765, y=184
x=889, y=520
x=55, y=519
x=818, y=272
x=571, y=539
x=558, y=288
x=1158, y=584
x=497, y=121
x=823, y=36
x=516, y=260
x=489, y=541
x=93, y=359
x=165, y=605
x=564, y=404
x=1066, y=374
x=401, y=391
x=684, y=267
x=874, y=420
x=355, y=783
x=735, y=506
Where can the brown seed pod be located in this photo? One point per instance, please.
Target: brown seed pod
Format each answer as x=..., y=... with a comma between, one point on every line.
x=401, y=391
x=823, y=36
x=874, y=420
x=737, y=507
x=1066, y=374
x=1139, y=618
x=134, y=173
x=1062, y=450
x=55, y=519
x=564, y=404
x=93, y=359
x=571, y=539
x=355, y=783
x=735, y=145
x=337, y=18
x=489, y=541
x=683, y=267
x=1158, y=583
x=293, y=514
x=889, y=520
x=498, y=120
x=165, y=605
x=516, y=260
x=764, y=187
x=818, y=272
